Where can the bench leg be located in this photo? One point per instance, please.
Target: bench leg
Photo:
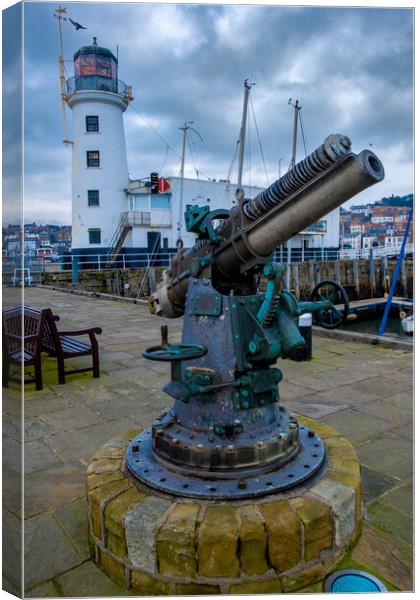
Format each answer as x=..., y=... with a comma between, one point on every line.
x=95, y=361
x=60, y=368
x=38, y=374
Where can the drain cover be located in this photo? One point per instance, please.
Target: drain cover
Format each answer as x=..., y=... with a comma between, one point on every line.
x=353, y=581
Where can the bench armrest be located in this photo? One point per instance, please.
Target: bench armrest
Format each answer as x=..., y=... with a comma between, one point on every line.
x=96, y=330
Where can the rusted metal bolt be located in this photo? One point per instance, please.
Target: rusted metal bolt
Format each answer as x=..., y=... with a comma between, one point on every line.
x=241, y=484
x=135, y=448
x=311, y=434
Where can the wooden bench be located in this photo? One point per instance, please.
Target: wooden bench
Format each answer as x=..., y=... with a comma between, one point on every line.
x=60, y=344
x=63, y=345
x=22, y=348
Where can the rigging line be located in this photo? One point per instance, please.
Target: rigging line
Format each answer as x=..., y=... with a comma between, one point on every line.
x=165, y=158
x=199, y=184
x=170, y=169
x=229, y=175
x=192, y=156
x=227, y=184
x=303, y=133
x=259, y=141
x=154, y=130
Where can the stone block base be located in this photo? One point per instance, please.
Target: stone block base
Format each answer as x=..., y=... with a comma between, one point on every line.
x=156, y=544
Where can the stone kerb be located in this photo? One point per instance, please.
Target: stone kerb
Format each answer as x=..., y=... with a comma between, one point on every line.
x=158, y=544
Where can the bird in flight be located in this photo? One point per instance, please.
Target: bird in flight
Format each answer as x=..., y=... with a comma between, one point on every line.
x=77, y=25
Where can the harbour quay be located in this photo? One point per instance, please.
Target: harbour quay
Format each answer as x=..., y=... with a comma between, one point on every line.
x=362, y=391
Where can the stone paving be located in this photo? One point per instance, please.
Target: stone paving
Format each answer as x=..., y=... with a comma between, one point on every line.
x=363, y=391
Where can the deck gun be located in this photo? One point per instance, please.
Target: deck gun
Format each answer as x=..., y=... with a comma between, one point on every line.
x=226, y=425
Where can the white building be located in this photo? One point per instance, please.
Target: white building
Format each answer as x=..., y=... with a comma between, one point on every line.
x=370, y=241
x=114, y=216
x=352, y=240
x=383, y=219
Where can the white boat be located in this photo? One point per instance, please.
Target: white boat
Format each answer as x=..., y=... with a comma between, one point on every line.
x=408, y=325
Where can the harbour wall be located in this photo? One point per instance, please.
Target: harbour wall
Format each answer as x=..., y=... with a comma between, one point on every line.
x=361, y=278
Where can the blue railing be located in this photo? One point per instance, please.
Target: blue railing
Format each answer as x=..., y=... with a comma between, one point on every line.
x=96, y=82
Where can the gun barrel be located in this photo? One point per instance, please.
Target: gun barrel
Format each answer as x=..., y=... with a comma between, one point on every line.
x=293, y=213
x=313, y=188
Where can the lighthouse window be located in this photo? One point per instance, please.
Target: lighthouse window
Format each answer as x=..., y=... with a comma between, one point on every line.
x=93, y=197
x=92, y=123
x=92, y=158
x=94, y=236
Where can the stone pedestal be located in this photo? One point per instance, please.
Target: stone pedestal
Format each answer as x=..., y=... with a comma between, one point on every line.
x=158, y=544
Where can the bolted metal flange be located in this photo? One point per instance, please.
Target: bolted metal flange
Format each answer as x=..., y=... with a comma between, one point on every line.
x=147, y=467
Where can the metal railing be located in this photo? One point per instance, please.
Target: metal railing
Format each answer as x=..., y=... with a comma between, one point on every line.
x=97, y=82
x=138, y=217
x=378, y=251
x=162, y=258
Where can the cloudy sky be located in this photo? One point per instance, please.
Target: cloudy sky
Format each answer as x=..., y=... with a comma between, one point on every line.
x=351, y=69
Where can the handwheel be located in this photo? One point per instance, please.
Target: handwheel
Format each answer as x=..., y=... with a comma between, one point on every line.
x=332, y=292
x=173, y=352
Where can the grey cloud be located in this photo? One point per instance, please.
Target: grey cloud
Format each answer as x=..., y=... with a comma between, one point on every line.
x=352, y=69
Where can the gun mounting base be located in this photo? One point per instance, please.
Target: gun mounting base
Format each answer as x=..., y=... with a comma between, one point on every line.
x=145, y=468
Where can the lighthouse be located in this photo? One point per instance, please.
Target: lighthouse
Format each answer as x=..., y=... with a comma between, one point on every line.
x=98, y=100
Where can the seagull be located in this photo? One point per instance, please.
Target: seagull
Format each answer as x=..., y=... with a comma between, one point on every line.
x=77, y=25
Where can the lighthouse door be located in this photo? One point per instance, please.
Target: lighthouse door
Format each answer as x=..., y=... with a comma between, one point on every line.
x=153, y=247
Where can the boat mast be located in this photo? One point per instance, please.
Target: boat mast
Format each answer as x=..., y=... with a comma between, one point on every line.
x=59, y=15
x=296, y=109
x=247, y=87
x=181, y=187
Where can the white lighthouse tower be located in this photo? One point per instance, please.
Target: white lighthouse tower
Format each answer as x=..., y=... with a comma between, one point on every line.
x=99, y=161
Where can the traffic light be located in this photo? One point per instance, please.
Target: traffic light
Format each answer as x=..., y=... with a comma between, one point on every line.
x=154, y=182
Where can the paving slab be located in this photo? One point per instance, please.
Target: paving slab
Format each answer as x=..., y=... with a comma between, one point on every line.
x=83, y=443
x=70, y=419
x=314, y=410
x=38, y=456
x=47, y=550
x=384, y=385
x=375, y=484
x=35, y=429
x=87, y=580
x=73, y=519
x=357, y=426
x=390, y=519
x=12, y=490
x=387, y=557
x=401, y=497
x=377, y=455
x=44, y=590
x=51, y=488
x=11, y=540
x=386, y=411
